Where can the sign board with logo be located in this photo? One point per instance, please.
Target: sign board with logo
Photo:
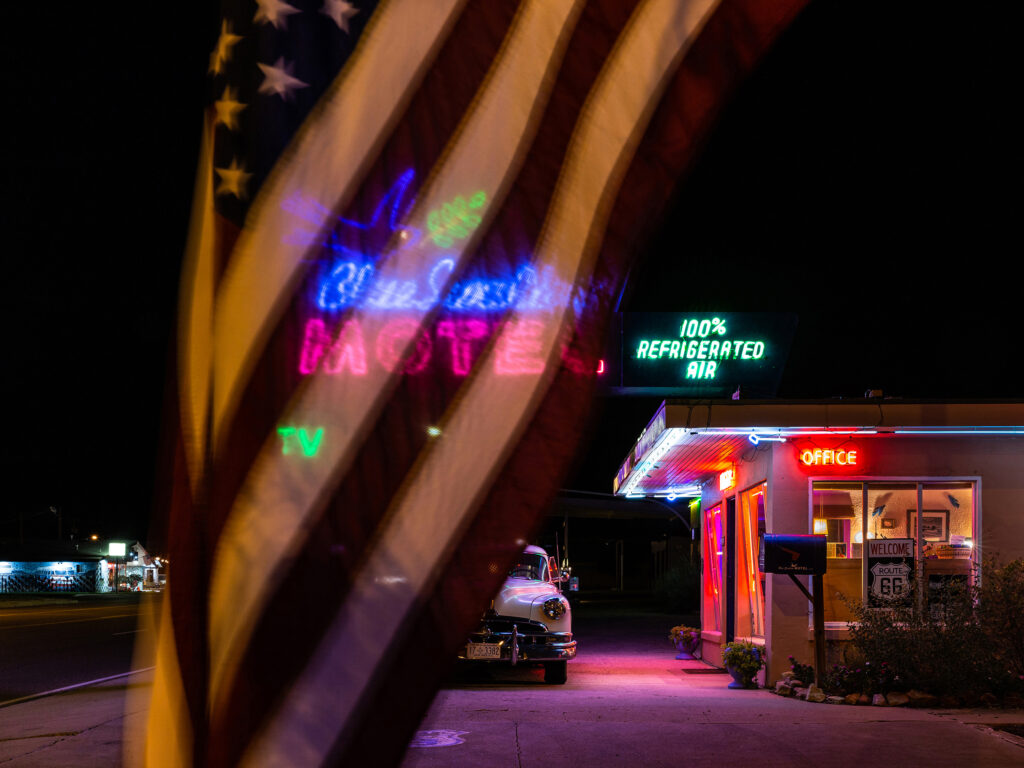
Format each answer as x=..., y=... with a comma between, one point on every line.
x=794, y=554
x=890, y=569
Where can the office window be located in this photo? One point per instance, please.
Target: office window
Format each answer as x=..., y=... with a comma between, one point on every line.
x=714, y=555
x=750, y=527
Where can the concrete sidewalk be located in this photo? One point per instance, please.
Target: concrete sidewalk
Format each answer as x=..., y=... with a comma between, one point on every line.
x=629, y=703
x=84, y=727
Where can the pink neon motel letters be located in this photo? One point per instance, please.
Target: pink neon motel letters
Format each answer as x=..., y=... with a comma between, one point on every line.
x=455, y=341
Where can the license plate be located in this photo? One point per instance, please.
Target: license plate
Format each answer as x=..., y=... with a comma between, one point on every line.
x=483, y=651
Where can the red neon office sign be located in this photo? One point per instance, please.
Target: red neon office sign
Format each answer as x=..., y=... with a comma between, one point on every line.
x=828, y=457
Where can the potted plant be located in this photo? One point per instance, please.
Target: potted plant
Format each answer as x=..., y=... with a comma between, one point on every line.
x=743, y=660
x=685, y=639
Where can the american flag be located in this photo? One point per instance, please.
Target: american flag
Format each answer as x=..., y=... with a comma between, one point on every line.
x=411, y=221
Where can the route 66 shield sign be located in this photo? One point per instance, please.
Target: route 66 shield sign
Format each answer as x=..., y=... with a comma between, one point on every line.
x=889, y=580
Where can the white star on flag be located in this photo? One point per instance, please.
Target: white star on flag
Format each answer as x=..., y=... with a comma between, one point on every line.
x=233, y=180
x=222, y=53
x=227, y=109
x=279, y=80
x=274, y=12
x=340, y=12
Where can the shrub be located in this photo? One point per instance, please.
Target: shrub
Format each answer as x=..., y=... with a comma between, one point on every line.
x=1001, y=615
x=802, y=672
x=962, y=641
x=845, y=679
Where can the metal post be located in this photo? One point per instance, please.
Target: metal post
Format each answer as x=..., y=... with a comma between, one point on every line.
x=819, y=628
x=818, y=610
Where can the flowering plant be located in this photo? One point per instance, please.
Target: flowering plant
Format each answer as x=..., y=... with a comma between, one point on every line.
x=744, y=657
x=802, y=672
x=683, y=633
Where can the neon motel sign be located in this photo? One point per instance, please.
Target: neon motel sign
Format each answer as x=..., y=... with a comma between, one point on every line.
x=470, y=310
x=827, y=457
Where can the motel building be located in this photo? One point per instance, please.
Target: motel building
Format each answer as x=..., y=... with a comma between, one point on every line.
x=898, y=488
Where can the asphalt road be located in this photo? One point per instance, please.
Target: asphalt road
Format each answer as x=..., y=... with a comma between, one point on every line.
x=63, y=643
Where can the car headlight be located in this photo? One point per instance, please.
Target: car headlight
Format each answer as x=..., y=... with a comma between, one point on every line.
x=555, y=607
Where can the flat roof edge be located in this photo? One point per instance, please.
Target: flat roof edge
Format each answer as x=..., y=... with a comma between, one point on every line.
x=739, y=414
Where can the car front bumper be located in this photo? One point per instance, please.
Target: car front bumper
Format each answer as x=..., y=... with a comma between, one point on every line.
x=522, y=642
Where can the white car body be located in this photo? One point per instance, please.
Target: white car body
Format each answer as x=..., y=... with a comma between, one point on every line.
x=530, y=621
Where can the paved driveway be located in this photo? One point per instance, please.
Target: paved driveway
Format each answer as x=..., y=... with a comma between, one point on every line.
x=628, y=702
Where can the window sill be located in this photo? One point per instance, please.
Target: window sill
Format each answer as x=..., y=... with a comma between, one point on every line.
x=838, y=630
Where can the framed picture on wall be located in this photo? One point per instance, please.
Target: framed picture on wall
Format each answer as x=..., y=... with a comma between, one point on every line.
x=934, y=524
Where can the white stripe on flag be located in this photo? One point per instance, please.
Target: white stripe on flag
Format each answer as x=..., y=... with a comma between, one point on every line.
x=195, y=315
x=326, y=161
x=482, y=430
x=269, y=522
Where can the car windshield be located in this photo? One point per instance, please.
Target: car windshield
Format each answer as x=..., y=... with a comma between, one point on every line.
x=530, y=566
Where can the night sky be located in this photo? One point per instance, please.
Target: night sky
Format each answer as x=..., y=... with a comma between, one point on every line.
x=867, y=177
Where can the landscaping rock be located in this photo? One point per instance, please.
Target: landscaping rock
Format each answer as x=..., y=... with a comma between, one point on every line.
x=921, y=699
x=788, y=675
x=835, y=700
x=897, y=699
x=949, y=702
x=863, y=699
x=851, y=698
x=989, y=700
x=800, y=692
x=783, y=688
x=815, y=694
x=878, y=700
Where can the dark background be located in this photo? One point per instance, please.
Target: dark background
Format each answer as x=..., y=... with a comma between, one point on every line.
x=867, y=177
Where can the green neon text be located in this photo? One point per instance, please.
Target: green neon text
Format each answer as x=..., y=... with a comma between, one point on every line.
x=703, y=349
x=701, y=369
x=292, y=435
x=455, y=220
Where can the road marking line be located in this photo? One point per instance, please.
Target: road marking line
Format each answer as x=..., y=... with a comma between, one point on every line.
x=70, y=621
x=31, y=696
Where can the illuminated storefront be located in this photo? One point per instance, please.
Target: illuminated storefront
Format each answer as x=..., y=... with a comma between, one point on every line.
x=898, y=488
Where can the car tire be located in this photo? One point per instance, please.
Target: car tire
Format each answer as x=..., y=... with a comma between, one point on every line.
x=556, y=672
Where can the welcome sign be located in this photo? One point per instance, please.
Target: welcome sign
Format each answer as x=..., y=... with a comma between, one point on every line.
x=890, y=569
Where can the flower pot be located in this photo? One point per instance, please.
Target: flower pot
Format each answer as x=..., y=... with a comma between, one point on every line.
x=739, y=679
x=686, y=648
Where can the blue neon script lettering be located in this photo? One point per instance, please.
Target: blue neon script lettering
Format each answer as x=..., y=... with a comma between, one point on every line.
x=352, y=283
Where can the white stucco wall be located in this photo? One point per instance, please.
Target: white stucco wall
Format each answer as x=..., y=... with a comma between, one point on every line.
x=996, y=462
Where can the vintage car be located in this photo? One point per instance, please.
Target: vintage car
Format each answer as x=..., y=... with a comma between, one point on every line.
x=529, y=622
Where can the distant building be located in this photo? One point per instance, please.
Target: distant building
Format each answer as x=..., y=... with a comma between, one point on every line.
x=49, y=566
